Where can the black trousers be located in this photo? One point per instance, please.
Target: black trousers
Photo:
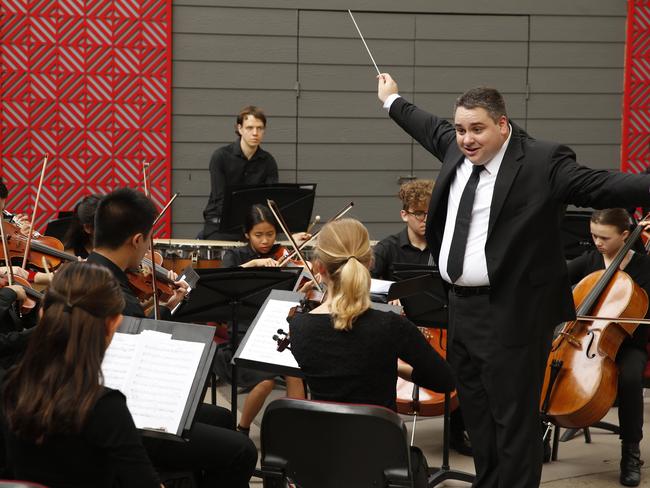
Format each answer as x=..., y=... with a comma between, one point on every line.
x=631, y=360
x=219, y=455
x=499, y=388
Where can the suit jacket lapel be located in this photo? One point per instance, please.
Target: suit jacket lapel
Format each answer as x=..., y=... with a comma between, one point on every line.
x=507, y=172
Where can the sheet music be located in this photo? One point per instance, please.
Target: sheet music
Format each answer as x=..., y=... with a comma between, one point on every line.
x=380, y=287
x=155, y=373
x=260, y=345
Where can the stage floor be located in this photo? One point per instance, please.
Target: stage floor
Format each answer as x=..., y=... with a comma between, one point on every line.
x=579, y=464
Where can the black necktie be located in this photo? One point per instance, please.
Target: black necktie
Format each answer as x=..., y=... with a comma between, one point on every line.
x=461, y=229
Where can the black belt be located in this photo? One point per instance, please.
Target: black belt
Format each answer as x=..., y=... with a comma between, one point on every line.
x=468, y=291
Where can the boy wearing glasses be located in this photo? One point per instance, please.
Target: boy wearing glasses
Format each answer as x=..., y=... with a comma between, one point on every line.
x=243, y=162
x=409, y=245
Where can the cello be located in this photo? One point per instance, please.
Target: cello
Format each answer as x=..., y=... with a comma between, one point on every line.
x=581, y=378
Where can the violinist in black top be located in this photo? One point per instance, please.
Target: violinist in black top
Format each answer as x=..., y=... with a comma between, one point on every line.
x=348, y=351
x=78, y=239
x=610, y=229
x=262, y=251
x=123, y=224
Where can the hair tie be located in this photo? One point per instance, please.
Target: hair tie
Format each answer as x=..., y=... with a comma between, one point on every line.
x=67, y=307
x=351, y=257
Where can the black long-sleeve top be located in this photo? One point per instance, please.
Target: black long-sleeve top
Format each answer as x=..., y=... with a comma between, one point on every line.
x=229, y=166
x=14, y=330
x=107, y=453
x=397, y=248
x=639, y=270
x=360, y=365
x=243, y=254
x=132, y=305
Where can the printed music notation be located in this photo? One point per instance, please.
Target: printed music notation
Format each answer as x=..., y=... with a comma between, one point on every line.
x=155, y=373
x=260, y=345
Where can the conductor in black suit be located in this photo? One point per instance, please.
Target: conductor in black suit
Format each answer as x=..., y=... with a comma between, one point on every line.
x=494, y=229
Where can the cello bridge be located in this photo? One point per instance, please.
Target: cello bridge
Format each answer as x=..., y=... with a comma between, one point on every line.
x=572, y=339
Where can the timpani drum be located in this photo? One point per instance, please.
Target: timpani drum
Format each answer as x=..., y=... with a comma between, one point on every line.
x=179, y=253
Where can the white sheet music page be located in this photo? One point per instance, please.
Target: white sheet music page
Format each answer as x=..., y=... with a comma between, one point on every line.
x=260, y=345
x=155, y=373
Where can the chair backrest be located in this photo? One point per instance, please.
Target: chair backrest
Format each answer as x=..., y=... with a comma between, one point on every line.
x=332, y=445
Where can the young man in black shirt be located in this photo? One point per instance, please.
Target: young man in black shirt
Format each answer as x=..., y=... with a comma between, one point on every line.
x=409, y=245
x=123, y=224
x=243, y=162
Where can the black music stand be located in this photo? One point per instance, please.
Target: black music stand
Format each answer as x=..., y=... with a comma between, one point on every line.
x=425, y=303
x=296, y=202
x=233, y=294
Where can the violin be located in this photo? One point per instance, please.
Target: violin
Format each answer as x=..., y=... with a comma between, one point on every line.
x=44, y=251
x=580, y=381
x=425, y=402
x=312, y=299
x=141, y=280
x=33, y=296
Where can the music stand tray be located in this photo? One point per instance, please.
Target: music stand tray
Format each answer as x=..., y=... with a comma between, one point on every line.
x=233, y=294
x=296, y=202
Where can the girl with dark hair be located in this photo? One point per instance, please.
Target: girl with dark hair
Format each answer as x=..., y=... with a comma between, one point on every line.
x=62, y=426
x=78, y=238
x=262, y=251
x=610, y=229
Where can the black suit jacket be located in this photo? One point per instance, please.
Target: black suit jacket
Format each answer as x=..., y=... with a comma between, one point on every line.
x=528, y=274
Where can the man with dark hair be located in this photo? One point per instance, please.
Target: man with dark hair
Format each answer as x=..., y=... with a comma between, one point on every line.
x=123, y=225
x=494, y=229
x=243, y=162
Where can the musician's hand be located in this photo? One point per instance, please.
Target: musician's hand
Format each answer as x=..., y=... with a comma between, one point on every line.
x=261, y=263
x=646, y=226
x=310, y=285
x=20, y=292
x=301, y=237
x=404, y=370
x=179, y=295
x=173, y=276
x=386, y=86
x=18, y=271
x=43, y=278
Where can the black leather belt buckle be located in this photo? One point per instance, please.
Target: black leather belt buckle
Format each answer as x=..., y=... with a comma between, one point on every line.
x=468, y=291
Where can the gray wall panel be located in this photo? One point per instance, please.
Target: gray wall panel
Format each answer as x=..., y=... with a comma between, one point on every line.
x=472, y=27
x=578, y=28
x=243, y=48
x=190, y=17
x=577, y=54
x=228, y=103
x=307, y=68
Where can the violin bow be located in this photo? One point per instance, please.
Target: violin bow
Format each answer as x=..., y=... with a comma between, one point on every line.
x=31, y=225
x=10, y=271
x=278, y=216
x=145, y=176
x=340, y=214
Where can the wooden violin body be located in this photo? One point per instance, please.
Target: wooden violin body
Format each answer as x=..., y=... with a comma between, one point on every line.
x=42, y=249
x=581, y=377
x=429, y=403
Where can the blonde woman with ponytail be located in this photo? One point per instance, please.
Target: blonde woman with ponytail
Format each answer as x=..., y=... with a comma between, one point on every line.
x=347, y=350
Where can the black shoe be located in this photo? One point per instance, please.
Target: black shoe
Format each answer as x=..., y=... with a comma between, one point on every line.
x=460, y=443
x=630, y=464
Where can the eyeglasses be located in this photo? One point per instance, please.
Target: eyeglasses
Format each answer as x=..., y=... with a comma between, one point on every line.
x=419, y=215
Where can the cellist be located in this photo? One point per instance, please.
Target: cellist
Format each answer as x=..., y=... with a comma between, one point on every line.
x=609, y=231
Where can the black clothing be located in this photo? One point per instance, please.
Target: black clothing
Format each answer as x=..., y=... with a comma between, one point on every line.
x=360, y=365
x=529, y=286
x=239, y=255
x=632, y=355
x=229, y=166
x=238, y=454
x=397, y=248
x=14, y=330
x=132, y=306
x=107, y=452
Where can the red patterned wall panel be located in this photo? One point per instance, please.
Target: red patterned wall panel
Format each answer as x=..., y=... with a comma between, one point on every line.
x=89, y=83
x=635, y=143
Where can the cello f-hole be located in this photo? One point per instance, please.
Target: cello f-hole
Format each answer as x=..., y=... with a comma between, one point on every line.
x=591, y=341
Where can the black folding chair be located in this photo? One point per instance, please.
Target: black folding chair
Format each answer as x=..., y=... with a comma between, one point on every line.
x=313, y=444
